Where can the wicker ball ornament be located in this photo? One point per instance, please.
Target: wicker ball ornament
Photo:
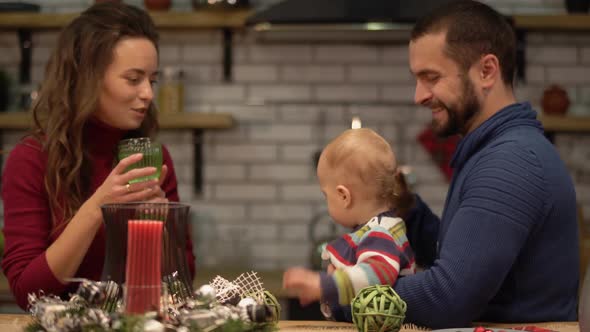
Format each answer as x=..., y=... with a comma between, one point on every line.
x=378, y=309
x=274, y=305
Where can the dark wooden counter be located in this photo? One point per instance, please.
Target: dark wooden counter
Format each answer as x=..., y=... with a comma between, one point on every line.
x=18, y=322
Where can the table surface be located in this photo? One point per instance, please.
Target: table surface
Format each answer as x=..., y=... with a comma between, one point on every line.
x=18, y=322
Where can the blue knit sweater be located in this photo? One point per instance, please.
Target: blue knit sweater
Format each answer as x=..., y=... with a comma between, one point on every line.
x=506, y=247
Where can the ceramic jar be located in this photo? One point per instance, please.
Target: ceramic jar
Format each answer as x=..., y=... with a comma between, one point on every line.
x=555, y=100
x=157, y=4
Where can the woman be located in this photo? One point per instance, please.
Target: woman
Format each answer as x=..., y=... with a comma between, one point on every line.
x=97, y=91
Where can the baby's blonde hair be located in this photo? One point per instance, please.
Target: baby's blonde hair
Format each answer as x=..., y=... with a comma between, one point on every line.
x=362, y=157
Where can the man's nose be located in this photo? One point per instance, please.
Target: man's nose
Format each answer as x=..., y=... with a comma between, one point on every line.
x=422, y=94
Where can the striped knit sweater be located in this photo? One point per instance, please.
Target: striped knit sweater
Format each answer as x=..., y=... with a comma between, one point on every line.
x=374, y=254
x=506, y=246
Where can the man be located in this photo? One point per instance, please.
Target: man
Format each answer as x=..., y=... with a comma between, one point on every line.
x=506, y=246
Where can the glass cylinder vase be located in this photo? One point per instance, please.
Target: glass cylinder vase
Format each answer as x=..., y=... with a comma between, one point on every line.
x=146, y=253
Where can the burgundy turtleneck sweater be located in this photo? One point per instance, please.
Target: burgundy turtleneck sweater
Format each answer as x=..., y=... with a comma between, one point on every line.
x=27, y=222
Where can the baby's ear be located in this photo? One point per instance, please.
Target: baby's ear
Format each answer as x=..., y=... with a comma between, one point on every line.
x=344, y=195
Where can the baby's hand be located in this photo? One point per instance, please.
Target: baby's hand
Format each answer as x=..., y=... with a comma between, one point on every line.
x=331, y=268
x=305, y=283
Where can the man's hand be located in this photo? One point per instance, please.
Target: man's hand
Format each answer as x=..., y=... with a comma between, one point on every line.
x=305, y=283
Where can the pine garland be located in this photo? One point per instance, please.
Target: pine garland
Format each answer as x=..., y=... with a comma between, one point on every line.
x=98, y=306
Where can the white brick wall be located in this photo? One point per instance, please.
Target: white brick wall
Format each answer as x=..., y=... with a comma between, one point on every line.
x=225, y=173
x=248, y=113
x=280, y=54
x=346, y=54
x=297, y=232
x=397, y=93
x=380, y=74
x=197, y=93
x=298, y=153
x=246, y=192
x=200, y=53
x=346, y=93
x=301, y=192
x=281, y=133
x=260, y=188
x=255, y=73
x=10, y=56
x=312, y=73
x=279, y=93
x=551, y=55
x=281, y=173
x=535, y=74
x=305, y=113
x=244, y=152
x=569, y=75
x=284, y=213
x=397, y=54
x=220, y=211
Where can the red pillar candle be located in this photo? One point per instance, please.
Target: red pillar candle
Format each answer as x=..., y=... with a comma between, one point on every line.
x=143, y=270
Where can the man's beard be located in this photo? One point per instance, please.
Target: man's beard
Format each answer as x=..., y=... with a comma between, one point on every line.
x=459, y=115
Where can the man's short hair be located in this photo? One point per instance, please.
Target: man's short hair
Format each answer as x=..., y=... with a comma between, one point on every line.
x=473, y=29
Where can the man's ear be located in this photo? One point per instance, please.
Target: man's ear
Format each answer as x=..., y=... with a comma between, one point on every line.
x=344, y=195
x=489, y=71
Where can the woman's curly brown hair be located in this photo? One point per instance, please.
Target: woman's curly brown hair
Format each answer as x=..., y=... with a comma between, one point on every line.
x=69, y=97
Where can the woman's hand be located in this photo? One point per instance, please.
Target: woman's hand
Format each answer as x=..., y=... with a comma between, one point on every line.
x=117, y=189
x=158, y=195
x=77, y=237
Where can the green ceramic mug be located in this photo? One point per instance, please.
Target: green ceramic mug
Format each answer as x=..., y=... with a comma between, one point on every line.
x=152, y=155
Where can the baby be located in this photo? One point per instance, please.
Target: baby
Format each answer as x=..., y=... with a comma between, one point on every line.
x=356, y=173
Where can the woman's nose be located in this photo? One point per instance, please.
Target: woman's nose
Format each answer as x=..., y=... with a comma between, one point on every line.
x=146, y=91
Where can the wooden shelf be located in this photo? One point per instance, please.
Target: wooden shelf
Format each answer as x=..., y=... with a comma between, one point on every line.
x=201, y=19
x=196, y=121
x=573, y=124
x=565, y=22
x=22, y=120
x=236, y=18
